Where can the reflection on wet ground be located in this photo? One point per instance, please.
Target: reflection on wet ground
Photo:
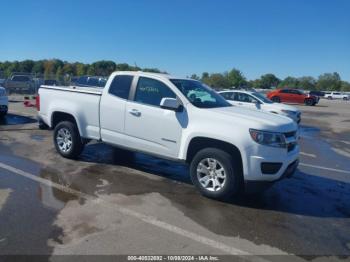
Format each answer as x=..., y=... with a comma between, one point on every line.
x=12, y=119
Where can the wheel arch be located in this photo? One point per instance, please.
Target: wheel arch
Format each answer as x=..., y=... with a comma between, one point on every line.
x=199, y=143
x=59, y=116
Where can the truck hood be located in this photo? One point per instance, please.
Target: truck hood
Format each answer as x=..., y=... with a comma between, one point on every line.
x=257, y=119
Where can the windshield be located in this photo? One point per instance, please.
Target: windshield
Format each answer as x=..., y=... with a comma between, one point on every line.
x=199, y=94
x=262, y=98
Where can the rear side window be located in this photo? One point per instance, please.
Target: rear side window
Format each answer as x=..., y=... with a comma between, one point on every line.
x=286, y=91
x=243, y=97
x=21, y=78
x=120, y=86
x=227, y=95
x=150, y=91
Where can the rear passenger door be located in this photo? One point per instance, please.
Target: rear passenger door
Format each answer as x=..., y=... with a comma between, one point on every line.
x=297, y=96
x=112, y=109
x=285, y=95
x=149, y=127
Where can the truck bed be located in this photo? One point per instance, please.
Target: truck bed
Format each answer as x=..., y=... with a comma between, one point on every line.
x=79, y=89
x=83, y=103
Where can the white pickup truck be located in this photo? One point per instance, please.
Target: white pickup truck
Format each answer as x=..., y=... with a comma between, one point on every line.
x=228, y=148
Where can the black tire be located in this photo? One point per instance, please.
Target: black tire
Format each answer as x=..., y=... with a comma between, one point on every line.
x=77, y=145
x=329, y=98
x=233, y=184
x=276, y=99
x=345, y=98
x=3, y=114
x=309, y=102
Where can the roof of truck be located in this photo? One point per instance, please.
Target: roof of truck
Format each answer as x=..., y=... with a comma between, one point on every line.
x=150, y=74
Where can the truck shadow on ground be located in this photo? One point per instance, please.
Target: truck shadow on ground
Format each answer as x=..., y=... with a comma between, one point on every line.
x=13, y=119
x=304, y=194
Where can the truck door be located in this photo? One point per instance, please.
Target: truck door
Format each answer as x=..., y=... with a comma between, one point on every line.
x=112, y=109
x=149, y=127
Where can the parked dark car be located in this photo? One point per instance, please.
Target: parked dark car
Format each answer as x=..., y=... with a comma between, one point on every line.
x=91, y=81
x=317, y=93
x=51, y=82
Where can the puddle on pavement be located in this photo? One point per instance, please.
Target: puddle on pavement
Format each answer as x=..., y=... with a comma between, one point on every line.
x=308, y=131
x=37, y=137
x=11, y=119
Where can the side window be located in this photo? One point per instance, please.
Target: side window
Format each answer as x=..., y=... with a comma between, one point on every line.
x=120, y=86
x=227, y=95
x=150, y=91
x=243, y=97
x=285, y=91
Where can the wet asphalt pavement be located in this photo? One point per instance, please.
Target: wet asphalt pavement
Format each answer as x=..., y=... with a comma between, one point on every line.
x=307, y=215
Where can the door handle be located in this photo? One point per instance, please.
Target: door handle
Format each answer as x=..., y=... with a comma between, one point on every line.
x=135, y=112
x=240, y=103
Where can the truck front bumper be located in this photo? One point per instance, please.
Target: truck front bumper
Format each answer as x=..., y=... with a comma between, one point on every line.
x=251, y=186
x=264, y=163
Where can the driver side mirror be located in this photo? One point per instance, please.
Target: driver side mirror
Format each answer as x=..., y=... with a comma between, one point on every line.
x=171, y=104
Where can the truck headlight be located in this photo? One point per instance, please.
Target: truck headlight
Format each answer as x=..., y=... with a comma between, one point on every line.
x=268, y=138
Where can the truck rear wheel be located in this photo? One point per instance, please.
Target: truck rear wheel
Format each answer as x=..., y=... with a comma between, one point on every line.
x=67, y=140
x=216, y=174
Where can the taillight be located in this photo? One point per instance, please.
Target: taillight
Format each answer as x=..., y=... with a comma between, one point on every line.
x=37, y=102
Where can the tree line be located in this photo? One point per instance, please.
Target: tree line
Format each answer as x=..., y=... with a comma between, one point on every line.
x=56, y=68
x=235, y=78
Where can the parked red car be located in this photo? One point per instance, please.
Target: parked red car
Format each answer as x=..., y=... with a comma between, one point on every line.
x=292, y=96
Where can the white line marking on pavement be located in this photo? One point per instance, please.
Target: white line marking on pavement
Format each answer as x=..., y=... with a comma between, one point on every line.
x=145, y=218
x=326, y=168
x=307, y=154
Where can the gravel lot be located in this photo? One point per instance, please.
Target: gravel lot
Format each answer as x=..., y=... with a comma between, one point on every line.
x=113, y=202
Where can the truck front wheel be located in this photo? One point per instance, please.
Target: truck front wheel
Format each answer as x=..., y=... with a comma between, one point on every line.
x=67, y=140
x=216, y=173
